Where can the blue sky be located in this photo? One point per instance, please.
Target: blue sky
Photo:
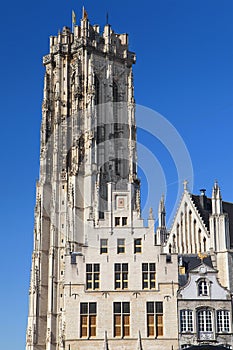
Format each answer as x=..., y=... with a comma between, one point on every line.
x=184, y=71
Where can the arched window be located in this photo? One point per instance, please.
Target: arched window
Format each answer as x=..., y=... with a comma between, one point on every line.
x=204, y=244
x=203, y=287
x=170, y=248
x=97, y=90
x=115, y=92
x=223, y=321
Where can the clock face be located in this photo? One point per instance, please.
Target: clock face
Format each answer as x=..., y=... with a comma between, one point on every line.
x=120, y=202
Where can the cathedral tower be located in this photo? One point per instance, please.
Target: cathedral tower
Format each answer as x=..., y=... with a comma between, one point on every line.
x=98, y=279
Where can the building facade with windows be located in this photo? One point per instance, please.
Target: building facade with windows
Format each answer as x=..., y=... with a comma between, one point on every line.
x=98, y=278
x=204, y=306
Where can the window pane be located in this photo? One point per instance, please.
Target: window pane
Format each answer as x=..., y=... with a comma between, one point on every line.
x=96, y=267
x=159, y=307
x=117, y=308
x=84, y=308
x=126, y=308
x=144, y=267
x=117, y=267
x=125, y=267
x=89, y=267
x=152, y=266
x=150, y=307
x=92, y=308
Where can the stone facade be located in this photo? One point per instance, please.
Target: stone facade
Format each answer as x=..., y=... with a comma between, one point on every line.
x=100, y=278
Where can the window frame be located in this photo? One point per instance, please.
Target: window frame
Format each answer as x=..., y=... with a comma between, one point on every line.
x=149, y=276
x=121, y=276
x=223, y=322
x=203, y=287
x=120, y=245
x=186, y=321
x=121, y=319
x=103, y=247
x=90, y=318
x=155, y=319
x=137, y=245
x=92, y=276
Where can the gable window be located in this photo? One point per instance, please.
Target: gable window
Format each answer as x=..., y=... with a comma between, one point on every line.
x=223, y=321
x=121, y=276
x=103, y=246
x=121, y=319
x=154, y=318
x=120, y=245
x=137, y=245
x=203, y=288
x=186, y=321
x=148, y=276
x=87, y=320
x=92, y=276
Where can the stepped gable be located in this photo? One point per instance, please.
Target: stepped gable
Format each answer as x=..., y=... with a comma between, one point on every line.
x=204, y=212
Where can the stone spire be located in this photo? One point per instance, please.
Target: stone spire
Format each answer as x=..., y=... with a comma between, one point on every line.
x=162, y=213
x=216, y=200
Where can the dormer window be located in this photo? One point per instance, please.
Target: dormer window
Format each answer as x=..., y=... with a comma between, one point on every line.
x=203, y=287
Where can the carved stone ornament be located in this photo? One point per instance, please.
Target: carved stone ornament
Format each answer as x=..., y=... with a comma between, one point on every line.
x=48, y=338
x=29, y=336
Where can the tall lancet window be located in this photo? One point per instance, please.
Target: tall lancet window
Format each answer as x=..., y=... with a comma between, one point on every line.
x=115, y=92
x=97, y=90
x=115, y=97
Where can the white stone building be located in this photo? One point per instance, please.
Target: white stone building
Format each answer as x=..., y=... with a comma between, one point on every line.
x=204, y=306
x=98, y=278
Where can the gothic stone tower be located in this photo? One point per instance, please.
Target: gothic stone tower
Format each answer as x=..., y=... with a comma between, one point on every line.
x=98, y=279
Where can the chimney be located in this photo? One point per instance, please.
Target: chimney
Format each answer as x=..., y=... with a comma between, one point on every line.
x=203, y=198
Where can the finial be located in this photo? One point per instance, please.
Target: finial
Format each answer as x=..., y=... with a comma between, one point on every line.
x=151, y=214
x=185, y=183
x=73, y=17
x=85, y=15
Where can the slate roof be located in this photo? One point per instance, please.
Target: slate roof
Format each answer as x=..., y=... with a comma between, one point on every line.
x=190, y=262
x=206, y=211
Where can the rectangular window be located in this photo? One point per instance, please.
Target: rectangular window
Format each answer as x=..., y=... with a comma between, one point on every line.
x=124, y=221
x=121, y=276
x=186, y=321
x=120, y=246
x=121, y=319
x=92, y=276
x=148, y=276
x=154, y=319
x=223, y=321
x=87, y=320
x=103, y=246
x=137, y=245
x=205, y=324
x=117, y=221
